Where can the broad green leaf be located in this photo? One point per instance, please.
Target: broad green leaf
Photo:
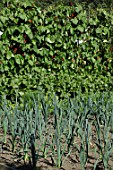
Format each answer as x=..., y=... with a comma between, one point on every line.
x=36, y=69
x=98, y=30
x=4, y=35
x=49, y=40
x=9, y=54
x=21, y=93
x=36, y=49
x=21, y=28
x=27, y=4
x=51, y=53
x=17, y=60
x=22, y=15
x=30, y=62
x=79, y=8
x=42, y=28
x=106, y=30
x=80, y=28
x=1, y=24
x=74, y=21
x=3, y=19
x=28, y=31
x=6, y=68
x=91, y=21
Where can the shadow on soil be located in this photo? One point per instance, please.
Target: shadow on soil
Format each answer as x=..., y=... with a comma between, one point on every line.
x=24, y=167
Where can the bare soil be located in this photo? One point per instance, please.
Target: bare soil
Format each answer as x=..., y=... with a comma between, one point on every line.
x=11, y=161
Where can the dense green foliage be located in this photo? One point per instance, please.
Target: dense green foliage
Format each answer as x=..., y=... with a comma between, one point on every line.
x=40, y=48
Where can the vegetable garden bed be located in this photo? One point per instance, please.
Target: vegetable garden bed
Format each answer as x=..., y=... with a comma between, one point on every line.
x=51, y=134
x=10, y=161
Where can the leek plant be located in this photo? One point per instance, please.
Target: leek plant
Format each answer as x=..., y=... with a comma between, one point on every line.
x=13, y=128
x=5, y=129
x=104, y=137
x=57, y=138
x=4, y=119
x=83, y=133
x=33, y=150
x=72, y=118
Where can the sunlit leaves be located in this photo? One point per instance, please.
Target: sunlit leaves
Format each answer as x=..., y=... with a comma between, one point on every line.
x=74, y=21
x=28, y=31
x=53, y=41
x=50, y=39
